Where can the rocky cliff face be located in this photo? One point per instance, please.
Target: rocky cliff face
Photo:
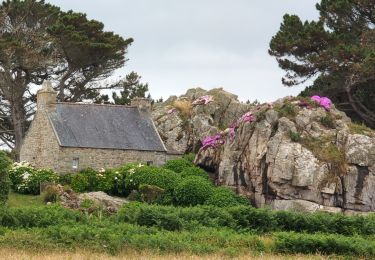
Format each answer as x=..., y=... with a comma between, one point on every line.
x=293, y=154
x=298, y=157
x=183, y=125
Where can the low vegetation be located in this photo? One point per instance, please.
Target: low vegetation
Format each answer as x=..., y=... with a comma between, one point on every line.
x=197, y=230
x=178, y=211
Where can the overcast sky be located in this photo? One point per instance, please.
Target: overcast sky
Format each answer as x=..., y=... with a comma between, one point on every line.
x=200, y=43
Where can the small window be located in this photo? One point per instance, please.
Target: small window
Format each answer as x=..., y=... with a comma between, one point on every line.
x=149, y=163
x=75, y=163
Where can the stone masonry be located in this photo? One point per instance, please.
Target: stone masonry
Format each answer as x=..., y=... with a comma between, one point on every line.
x=41, y=147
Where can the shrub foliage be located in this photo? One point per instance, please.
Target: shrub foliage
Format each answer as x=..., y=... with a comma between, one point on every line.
x=5, y=163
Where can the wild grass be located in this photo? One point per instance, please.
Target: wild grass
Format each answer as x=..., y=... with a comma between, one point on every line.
x=16, y=254
x=287, y=110
x=184, y=106
x=17, y=200
x=361, y=129
x=239, y=231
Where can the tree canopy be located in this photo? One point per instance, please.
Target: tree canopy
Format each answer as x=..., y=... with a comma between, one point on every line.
x=38, y=41
x=337, y=51
x=131, y=87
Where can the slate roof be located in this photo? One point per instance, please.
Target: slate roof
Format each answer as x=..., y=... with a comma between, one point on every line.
x=104, y=126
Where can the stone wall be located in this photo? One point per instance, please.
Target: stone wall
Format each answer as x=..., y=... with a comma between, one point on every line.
x=40, y=146
x=105, y=158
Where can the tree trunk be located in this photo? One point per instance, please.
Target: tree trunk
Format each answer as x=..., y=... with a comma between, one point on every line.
x=18, y=120
x=366, y=116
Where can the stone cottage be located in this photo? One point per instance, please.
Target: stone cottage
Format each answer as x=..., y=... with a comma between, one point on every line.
x=68, y=137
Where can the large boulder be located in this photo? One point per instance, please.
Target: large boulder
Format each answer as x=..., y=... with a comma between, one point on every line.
x=182, y=124
x=296, y=155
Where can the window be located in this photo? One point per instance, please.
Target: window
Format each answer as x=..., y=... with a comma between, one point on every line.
x=75, y=163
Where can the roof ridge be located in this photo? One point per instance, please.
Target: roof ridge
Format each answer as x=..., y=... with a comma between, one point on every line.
x=94, y=104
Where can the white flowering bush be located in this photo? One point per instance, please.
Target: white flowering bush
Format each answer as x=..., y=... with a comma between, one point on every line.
x=26, y=179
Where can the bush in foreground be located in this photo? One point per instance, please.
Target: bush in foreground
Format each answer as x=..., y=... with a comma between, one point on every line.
x=27, y=180
x=323, y=244
x=5, y=163
x=193, y=191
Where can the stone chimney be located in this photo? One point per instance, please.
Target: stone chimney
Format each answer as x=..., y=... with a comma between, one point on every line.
x=46, y=96
x=143, y=104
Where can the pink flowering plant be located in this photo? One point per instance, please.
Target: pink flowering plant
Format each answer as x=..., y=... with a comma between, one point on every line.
x=324, y=102
x=247, y=117
x=203, y=100
x=213, y=141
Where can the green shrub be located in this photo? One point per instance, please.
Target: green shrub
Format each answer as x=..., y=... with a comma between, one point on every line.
x=286, y=110
x=324, y=244
x=294, y=136
x=5, y=163
x=151, y=193
x=248, y=218
x=178, y=165
x=328, y=121
x=195, y=171
x=38, y=177
x=151, y=175
x=43, y=216
x=188, y=218
x=91, y=180
x=190, y=157
x=79, y=182
x=193, y=191
x=66, y=179
x=26, y=180
x=224, y=197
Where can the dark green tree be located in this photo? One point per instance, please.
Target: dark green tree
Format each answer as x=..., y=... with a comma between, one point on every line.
x=131, y=87
x=337, y=51
x=38, y=41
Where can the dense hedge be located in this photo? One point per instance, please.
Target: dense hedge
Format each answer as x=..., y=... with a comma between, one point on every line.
x=324, y=244
x=201, y=229
x=245, y=218
x=5, y=163
x=42, y=216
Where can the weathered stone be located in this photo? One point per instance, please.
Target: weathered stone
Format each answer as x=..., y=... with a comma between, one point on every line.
x=360, y=150
x=102, y=199
x=265, y=164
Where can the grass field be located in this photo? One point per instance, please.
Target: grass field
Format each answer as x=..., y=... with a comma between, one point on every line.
x=12, y=254
x=19, y=200
x=29, y=229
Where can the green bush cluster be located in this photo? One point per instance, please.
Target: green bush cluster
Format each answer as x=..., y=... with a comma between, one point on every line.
x=192, y=191
x=27, y=180
x=178, y=182
x=224, y=197
x=324, y=244
x=89, y=180
x=199, y=229
x=246, y=218
x=27, y=217
x=178, y=165
x=5, y=163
